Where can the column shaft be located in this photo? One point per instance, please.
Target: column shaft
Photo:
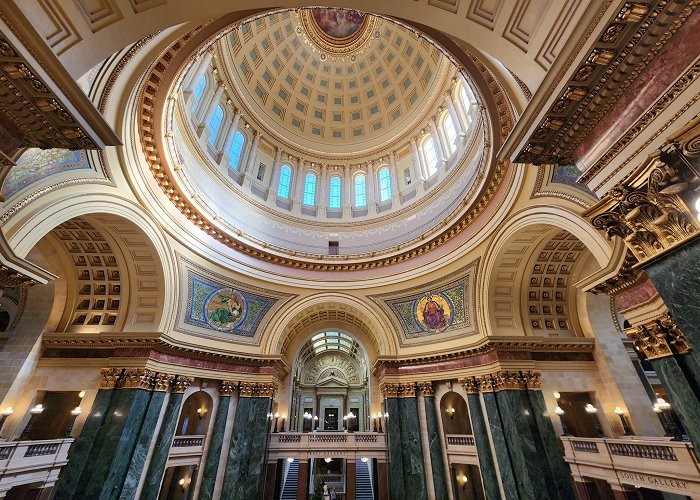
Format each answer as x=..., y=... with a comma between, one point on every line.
x=511, y=487
x=213, y=104
x=350, y=466
x=211, y=465
x=435, y=447
x=483, y=448
x=382, y=481
x=303, y=480
x=203, y=65
x=453, y=115
x=250, y=164
x=395, y=458
x=156, y=468
x=233, y=128
x=437, y=139
x=417, y=163
x=393, y=170
x=412, y=453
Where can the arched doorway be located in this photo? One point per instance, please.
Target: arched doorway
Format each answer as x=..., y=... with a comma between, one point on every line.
x=330, y=386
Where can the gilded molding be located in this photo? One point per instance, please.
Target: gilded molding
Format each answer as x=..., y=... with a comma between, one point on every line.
x=257, y=390
x=659, y=338
x=10, y=277
x=426, y=388
x=137, y=379
x=180, y=384
x=650, y=209
x=110, y=377
x=502, y=381
x=162, y=382
x=627, y=277
x=227, y=388
x=470, y=385
x=405, y=390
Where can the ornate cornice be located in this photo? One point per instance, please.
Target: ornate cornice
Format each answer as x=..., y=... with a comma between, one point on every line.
x=627, y=277
x=650, y=209
x=602, y=77
x=11, y=277
x=658, y=338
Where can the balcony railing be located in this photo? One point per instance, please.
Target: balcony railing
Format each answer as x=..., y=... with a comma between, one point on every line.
x=461, y=447
x=187, y=447
x=26, y=462
x=655, y=463
x=327, y=444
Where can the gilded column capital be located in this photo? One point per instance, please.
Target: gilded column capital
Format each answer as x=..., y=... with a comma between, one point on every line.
x=407, y=390
x=180, y=384
x=659, y=338
x=162, y=382
x=110, y=377
x=138, y=378
x=487, y=383
x=257, y=390
x=227, y=388
x=470, y=385
x=390, y=390
x=426, y=388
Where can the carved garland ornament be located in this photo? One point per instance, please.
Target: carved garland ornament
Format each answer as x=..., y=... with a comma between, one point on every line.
x=154, y=89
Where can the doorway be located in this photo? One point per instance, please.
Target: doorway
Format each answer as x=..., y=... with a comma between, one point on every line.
x=330, y=419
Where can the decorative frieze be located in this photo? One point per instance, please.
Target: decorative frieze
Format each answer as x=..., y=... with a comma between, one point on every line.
x=502, y=381
x=650, y=209
x=226, y=388
x=257, y=390
x=659, y=338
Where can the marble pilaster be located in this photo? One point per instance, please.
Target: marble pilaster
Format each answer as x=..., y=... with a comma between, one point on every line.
x=211, y=465
x=143, y=443
x=435, y=447
x=79, y=458
x=412, y=453
x=395, y=459
x=483, y=448
x=156, y=468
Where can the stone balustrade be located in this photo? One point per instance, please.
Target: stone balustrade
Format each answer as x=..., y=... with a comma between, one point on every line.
x=349, y=445
x=461, y=448
x=27, y=462
x=655, y=463
x=186, y=450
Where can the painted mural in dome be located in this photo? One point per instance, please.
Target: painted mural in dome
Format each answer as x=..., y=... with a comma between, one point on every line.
x=225, y=308
x=434, y=312
x=338, y=23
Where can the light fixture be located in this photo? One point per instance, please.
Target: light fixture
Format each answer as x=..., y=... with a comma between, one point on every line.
x=328, y=460
x=464, y=482
x=37, y=409
x=663, y=404
x=81, y=394
x=625, y=425
x=591, y=409
x=451, y=412
x=76, y=411
x=200, y=412
x=8, y=411
x=558, y=411
x=556, y=395
x=364, y=460
x=290, y=460
x=181, y=482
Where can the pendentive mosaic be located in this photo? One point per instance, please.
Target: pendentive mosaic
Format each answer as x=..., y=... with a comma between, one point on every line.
x=445, y=306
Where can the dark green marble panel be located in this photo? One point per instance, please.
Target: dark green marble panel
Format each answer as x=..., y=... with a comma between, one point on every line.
x=166, y=433
x=211, y=465
x=500, y=446
x=395, y=459
x=245, y=467
x=435, y=447
x=412, y=449
x=552, y=447
x=684, y=402
x=483, y=448
x=119, y=440
x=79, y=458
x=143, y=444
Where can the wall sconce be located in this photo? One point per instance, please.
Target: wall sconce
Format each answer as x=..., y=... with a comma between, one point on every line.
x=290, y=460
x=364, y=460
x=81, y=394
x=328, y=460
x=73, y=415
x=556, y=395
x=592, y=411
x=6, y=413
x=200, y=412
x=26, y=433
x=464, y=482
x=277, y=417
x=560, y=414
x=181, y=482
x=38, y=409
x=451, y=413
x=668, y=419
x=625, y=425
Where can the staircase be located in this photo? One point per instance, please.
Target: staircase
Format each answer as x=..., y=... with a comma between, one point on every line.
x=363, y=481
x=289, y=490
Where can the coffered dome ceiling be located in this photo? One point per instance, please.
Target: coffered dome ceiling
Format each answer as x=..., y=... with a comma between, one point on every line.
x=333, y=77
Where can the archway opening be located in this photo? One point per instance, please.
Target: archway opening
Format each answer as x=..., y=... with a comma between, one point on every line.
x=454, y=413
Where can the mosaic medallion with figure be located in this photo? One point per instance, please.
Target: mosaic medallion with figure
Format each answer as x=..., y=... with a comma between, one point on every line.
x=225, y=308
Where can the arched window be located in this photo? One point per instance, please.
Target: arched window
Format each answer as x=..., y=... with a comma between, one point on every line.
x=310, y=189
x=450, y=133
x=285, y=182
x=465, y=100
x=360, y=191
x=430, y=154
x=334, y=192
x=215, y=124
x=236, y=150
x=384, y=184
x=198, y=92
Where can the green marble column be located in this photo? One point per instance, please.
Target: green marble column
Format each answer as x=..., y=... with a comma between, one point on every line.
x=79, y=458
x=244, y=476
x=483, y=448
x=411, y=449
x=395, y=459
x=498, y=432
x=216, y=441
x=145, y=438
x=435, y=446
x=166, y=433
